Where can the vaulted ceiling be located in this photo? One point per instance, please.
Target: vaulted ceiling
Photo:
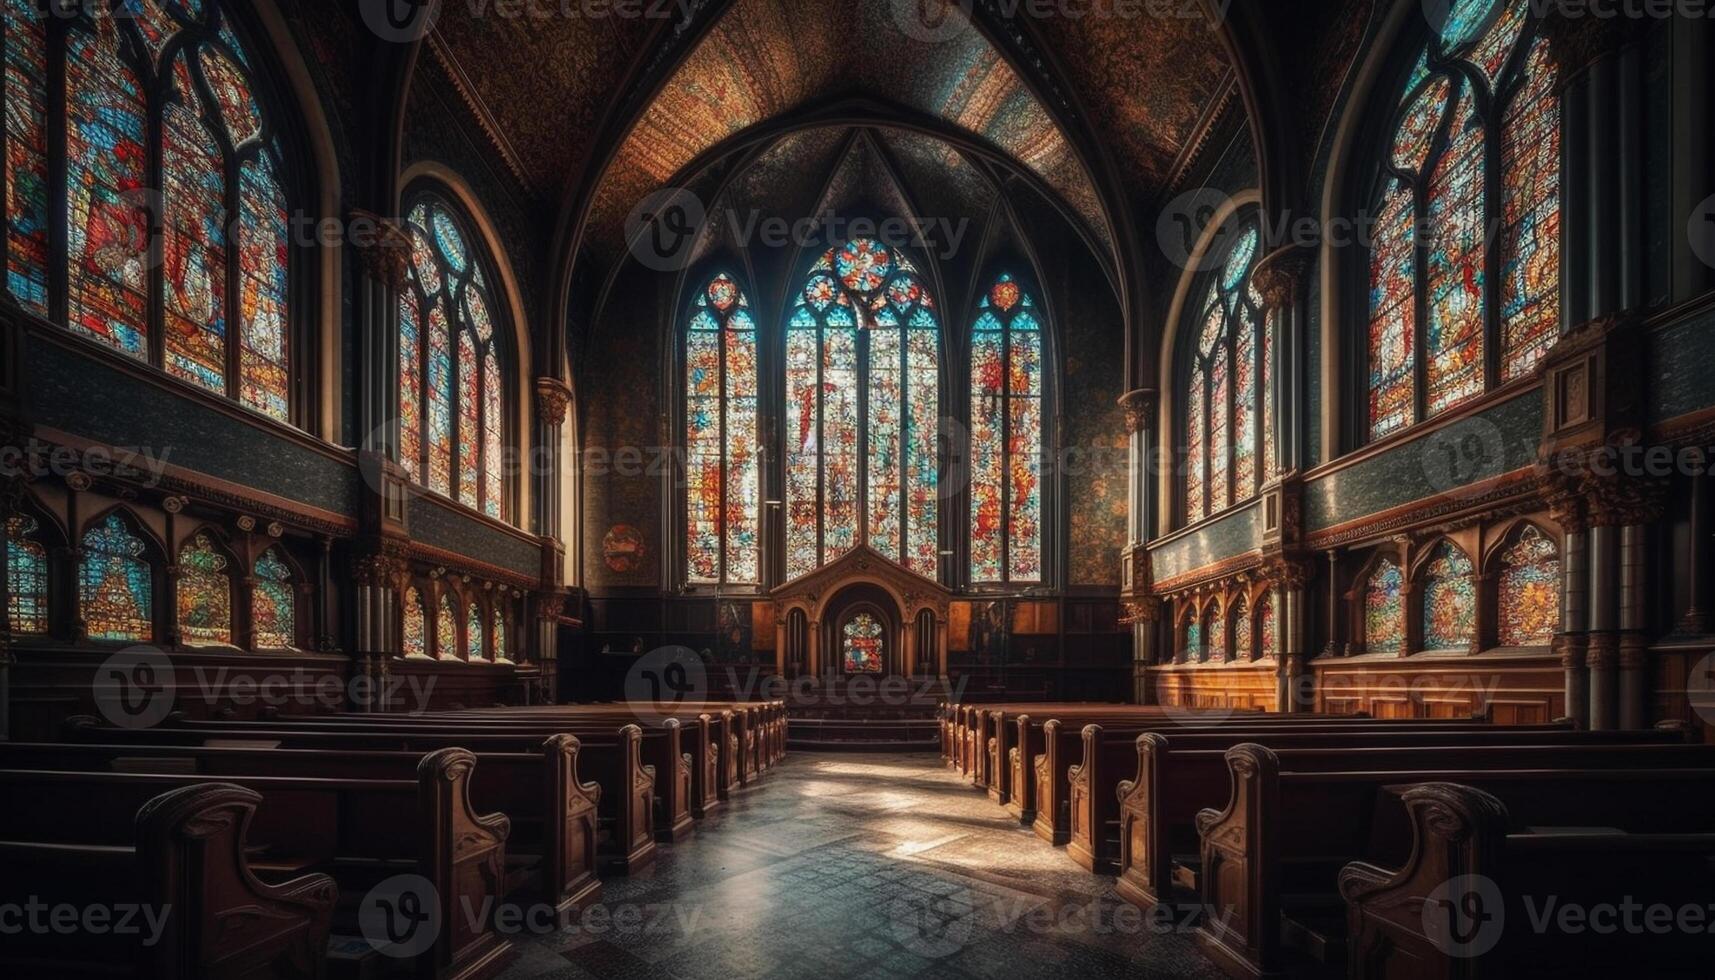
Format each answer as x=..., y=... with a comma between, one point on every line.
x=1066, y=100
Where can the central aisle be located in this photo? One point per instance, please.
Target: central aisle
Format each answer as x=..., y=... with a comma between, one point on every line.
x=871, y=865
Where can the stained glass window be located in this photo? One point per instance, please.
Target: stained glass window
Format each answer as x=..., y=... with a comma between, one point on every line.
x=1229, y=450
x=452, y=388
x=415, y=626
x=205, y=594
x=1384, y=609
x=115, y=584
x=162, y=133
x=1215, y=630
x=26, y=576
x=723, y=492
x=1193, y=639
x=1242, y=650
x=862, y=412
x=473, y=635
x=1007, y=443
x=1486, y=74
x=1528, y=595
x=1268, y=640
x=502, y=637
x=273, y=604
x=1449, y=600
x=26, y=175
x=447, y=630
x=863, y=644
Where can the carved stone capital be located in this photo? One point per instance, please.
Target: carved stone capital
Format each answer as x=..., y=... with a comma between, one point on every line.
x=1604, y=651
x=385, y=252
x=1139, y=405
x=1146, y=609
x=1569, y=648
x=1286, y=573
x=553, y=398
x=1279, y=275
x=1634, y=651
x=382, y=565
x=549, y=606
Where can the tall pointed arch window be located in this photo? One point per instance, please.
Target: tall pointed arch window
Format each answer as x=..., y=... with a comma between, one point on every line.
x=26, y=576
x=159, y=98
x=116, y=583
x=452, y=392
x=723, y=492
x=414, y=627
x=447, y=630
x=1528, y=604
x=205, y=594
x=273, y=603
x=1006, y=436
x=475, y=648
x=1475, y=146
x=1229, y=448
x=861, y=419
x=1384, y=609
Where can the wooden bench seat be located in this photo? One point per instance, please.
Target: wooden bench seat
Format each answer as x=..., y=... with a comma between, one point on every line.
x=626, y=828
x=178, y=864
x=1463, y=831
x=1272, y=857
x=359, y=831
x=553, y=812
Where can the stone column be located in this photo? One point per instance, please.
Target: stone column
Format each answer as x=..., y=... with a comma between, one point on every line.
x=378, y=576
x=384, y=260
x=1571, y=642
x=1143, y=615
x=1293, y=688
x=1696, y=619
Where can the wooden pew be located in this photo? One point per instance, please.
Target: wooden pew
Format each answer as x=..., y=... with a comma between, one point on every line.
x=425, y=826
x=181, y=855
x=1048, y=781
x=1178, y=775
x=552, y=849
x=614, y=760
x=663, y=747
x=1463, y=831
x=1272, y=857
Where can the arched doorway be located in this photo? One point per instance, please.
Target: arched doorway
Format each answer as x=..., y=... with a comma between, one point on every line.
x=863, y=634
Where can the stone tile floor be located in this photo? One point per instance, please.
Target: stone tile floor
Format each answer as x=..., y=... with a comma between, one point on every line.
x=863, y=865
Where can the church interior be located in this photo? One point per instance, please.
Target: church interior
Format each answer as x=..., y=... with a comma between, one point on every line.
x=885, y=488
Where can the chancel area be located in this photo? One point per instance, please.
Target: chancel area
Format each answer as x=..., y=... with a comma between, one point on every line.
x=883, y=488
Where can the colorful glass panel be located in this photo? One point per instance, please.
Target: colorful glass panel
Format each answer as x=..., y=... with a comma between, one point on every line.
x=458, y=420
x=107, y=210
x=447, y=630
x=1528, y=596
x=1268, y=641
x=1224, y=388
x=1456, y=264
x=862, y=412
x=863, y=644
x=194, y=250
x=1449, y=600
x=1193, y=641
x=273, y=604
x=1007, y=436
x=26, y=577
x=1393, y=316
x=415, y=628
x=1242, y=650
x=1384, y=609
x=1245, y=404
x=26, y=150
x=115, y=584
x=1215, y=628
x=1530, y=237
x=502, y=637
x=473, y=635
x=1440, y=151
x=723, y=441
x=205, y=594
x=264, y=359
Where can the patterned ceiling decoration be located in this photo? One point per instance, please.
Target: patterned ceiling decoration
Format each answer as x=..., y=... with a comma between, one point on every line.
x=546, y=82
x=766, y=57
x=1151, y=82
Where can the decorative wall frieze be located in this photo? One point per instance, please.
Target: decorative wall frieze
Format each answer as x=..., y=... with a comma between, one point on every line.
x=1515, y=492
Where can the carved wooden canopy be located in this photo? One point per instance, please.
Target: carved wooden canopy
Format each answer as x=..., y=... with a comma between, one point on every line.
x=861, y=565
